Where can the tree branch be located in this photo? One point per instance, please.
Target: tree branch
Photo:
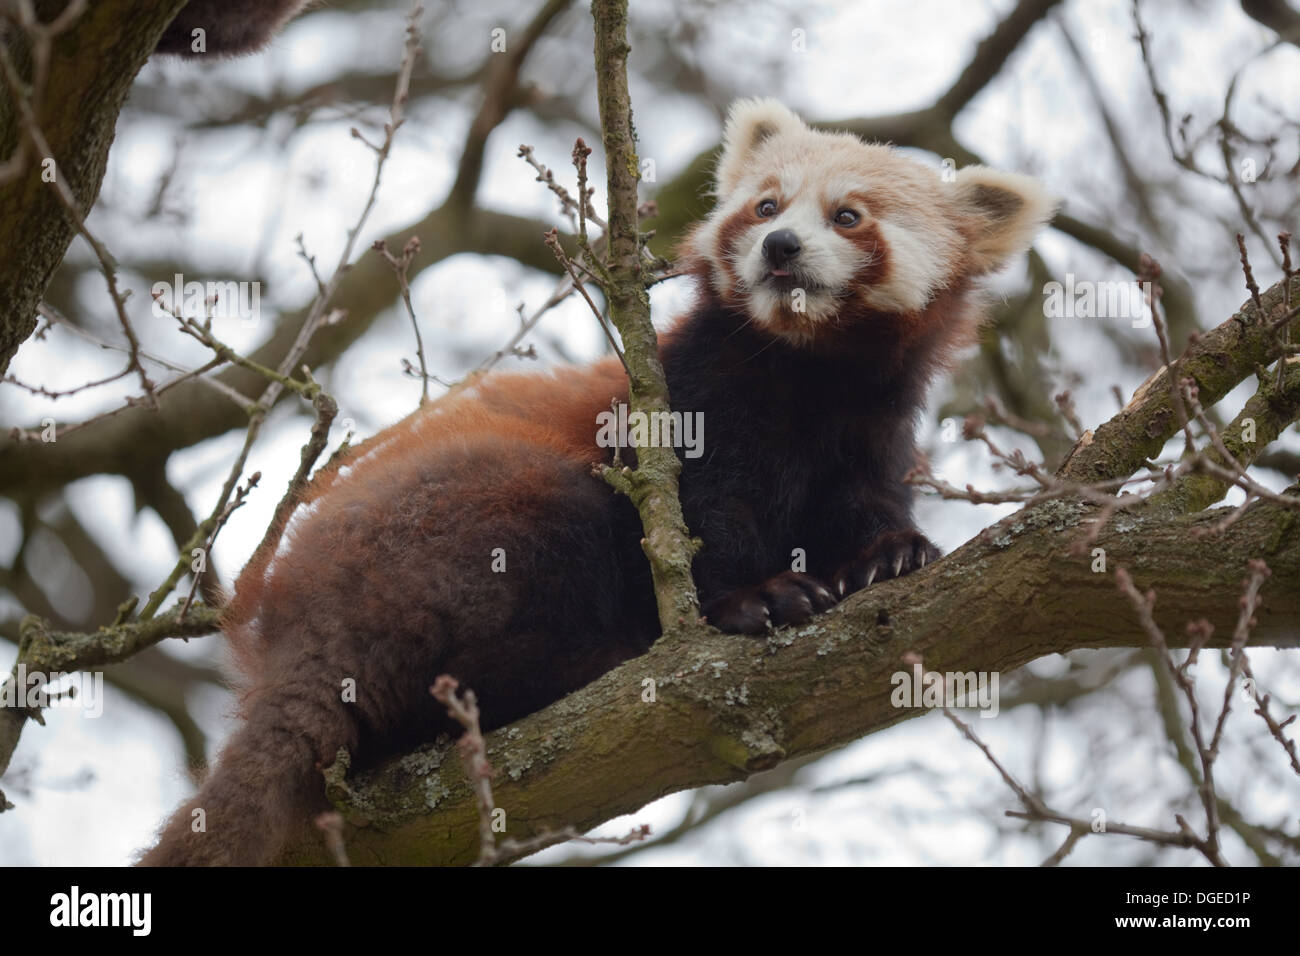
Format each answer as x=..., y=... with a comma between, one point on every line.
x=46, y=651
x=1217, y=361
x=652, y=484
x=729, y=706
x=92, y=65
x=189, y=415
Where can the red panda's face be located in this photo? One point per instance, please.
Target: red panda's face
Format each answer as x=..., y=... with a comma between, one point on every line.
x=813, y=228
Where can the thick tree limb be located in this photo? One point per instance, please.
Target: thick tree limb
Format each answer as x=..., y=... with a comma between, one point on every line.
x=93, y=65
x=1218, y=360
x=729, y=706
x=1259, y=423
x=992, y=53
x=500, y=95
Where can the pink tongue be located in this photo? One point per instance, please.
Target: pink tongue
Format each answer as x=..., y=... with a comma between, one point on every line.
x=780, y=272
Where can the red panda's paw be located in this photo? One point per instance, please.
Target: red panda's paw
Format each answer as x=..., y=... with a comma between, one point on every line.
x=891, y=555
x=788, y=598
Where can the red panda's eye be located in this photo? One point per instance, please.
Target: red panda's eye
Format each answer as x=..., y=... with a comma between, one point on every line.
x=766, y=208
x=846, y=217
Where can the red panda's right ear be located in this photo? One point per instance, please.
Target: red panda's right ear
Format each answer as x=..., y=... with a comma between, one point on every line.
x=750, y=123
x=1003, y=212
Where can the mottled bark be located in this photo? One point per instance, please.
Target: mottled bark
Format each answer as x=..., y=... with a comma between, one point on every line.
x=652, y=485
x=1217, y=361
x=91, y=71
x=728, y=706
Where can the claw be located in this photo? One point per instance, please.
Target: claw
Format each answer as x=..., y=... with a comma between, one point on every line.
x=898, y=565
x=924, y=556
x=841, y=587
x=871, y=576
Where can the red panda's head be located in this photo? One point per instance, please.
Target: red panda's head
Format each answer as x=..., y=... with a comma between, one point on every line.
x=812, y=228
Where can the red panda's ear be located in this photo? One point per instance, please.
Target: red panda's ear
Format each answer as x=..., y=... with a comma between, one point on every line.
x=1003, y=213
x=750, y=123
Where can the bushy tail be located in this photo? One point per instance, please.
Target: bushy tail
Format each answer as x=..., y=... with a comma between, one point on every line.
x=264, y=790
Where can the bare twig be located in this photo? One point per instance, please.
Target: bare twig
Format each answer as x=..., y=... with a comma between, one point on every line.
x=552, y=239
x=1037, y=810
x=400, y=266
x=1250, y=276
x=197, y=575
x=1275, y=727
x=463, y=708
x=1209, y=846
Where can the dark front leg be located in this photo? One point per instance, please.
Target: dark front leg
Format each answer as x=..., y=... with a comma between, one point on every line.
x=891, y=555
x=787, y=598
x=744, y=587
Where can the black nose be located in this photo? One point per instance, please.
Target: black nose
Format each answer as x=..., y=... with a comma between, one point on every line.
x=780, y=248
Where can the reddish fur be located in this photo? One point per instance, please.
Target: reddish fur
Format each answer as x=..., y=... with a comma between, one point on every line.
x=352, y=566
x=729, y=235
x=866, y=236
x=384, y=575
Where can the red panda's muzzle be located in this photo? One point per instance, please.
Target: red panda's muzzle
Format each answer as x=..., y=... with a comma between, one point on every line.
x=781, y=248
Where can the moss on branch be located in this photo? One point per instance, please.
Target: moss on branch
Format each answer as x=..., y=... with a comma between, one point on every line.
x=652, y=485
x=726, y=706
x=1217, y=361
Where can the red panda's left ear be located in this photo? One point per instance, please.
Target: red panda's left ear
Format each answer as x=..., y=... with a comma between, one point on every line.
x=1003, y=213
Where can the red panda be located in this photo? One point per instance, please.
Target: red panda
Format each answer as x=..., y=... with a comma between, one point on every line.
x=834, y=279
x=229, y=27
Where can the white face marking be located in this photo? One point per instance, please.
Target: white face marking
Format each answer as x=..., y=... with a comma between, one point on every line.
x=791, y=180
x=916, y=270
x=819, y=276
x=907, y=225
x=835, y=189
x=928, y=231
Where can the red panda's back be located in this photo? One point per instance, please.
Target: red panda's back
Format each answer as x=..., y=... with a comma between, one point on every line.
x=515, y=414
